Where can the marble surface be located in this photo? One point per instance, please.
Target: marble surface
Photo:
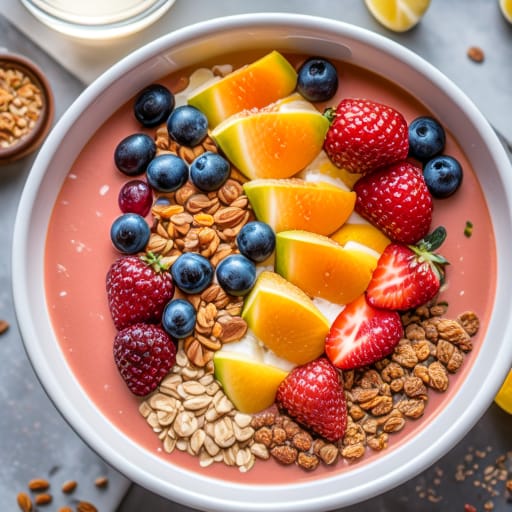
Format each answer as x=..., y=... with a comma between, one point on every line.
x=34, y=439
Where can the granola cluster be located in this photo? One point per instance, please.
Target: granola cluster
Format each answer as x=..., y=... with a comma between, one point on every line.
x=189, y=220
x=21, y=105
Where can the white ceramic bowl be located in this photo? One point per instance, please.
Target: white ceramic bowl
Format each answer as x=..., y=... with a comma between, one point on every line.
x=187, y=47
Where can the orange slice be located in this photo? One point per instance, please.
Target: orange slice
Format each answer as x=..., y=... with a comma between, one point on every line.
x=364, y=234
x=253, y=86
x=249, y=384
x=285, y=319
x=276, y=142
x=322, y=268
x=297, y=204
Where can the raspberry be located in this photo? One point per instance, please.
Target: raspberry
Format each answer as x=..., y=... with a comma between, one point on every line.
x=138, y=289
x=144, y=354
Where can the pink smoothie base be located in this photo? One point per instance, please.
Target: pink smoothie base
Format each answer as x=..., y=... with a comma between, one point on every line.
x=79, y=253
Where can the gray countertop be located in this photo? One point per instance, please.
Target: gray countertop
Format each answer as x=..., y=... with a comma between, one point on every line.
x=34, y=439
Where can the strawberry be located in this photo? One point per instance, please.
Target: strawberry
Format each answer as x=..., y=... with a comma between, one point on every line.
x=362, y=335
x=365, y=135
x=396, y=200
x=313, y=395
x=408, y=276
x=144, y=354
x=138, y=288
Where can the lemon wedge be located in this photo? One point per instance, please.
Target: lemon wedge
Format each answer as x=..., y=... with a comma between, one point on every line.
x=506, y=9
x=398, y=15
x=504, y=396
x=249, y=384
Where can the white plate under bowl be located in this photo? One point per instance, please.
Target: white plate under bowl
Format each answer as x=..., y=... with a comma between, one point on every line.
x=188, y=47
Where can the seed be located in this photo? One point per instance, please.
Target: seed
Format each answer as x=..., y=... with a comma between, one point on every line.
x=24, y=502
x=38, y=484
x=85, y=506
x=101, y=481
x=4, y=326
x=69, y=486
x=43, y=499
x=476, y=54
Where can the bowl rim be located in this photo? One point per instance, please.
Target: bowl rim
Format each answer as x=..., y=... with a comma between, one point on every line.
x=321, y=494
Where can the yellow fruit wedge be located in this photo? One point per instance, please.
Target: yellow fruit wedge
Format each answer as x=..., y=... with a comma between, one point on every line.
x=253, y=86
x=506, y=9
x=322, y=169
x=249, y=384
x=504, y=396
x=275, y=142
x=297, y=204
x=364, y=234
x=285, y=319
x=322, y=268
x=398, y=15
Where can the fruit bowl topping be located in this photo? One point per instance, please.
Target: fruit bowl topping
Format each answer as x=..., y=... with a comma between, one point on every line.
x=288, y=251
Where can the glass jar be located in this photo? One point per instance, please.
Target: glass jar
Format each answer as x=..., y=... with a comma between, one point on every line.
x=97, y=19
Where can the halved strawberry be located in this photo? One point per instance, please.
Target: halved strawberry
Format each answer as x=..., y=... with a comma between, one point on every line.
x=362, y=335
x=407, y=276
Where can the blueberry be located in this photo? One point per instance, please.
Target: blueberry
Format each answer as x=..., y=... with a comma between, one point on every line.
x=179, y=318
x=209, y=171
x=426, y=138
x=133, y=154
x=236, y=274
x=443, y=176
x=153, y=105
x=317, y=80
x=130, y=233
x=192, y=273
x=187, y=125
x=167, y=173
x=256, y=241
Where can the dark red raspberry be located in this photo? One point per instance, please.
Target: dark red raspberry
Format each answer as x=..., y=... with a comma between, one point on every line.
x=144, y=354
x=138, y=289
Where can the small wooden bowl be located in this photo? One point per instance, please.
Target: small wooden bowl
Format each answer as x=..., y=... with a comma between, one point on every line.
x=26, y=107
